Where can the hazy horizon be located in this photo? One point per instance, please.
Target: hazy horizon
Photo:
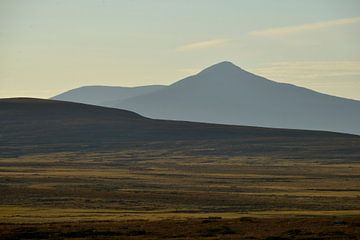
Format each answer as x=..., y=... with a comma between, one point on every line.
x=48, y=47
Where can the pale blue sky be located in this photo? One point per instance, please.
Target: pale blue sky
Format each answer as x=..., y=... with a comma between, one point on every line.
x=49, y=46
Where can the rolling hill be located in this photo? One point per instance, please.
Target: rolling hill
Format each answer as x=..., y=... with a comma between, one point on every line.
x=36, y=125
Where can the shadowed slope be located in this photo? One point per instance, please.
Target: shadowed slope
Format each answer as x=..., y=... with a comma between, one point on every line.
x=32, y=124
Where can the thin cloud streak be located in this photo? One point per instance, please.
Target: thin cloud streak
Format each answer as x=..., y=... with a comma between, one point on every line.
x=273, y=32
x=306, y=70
x=203, y=45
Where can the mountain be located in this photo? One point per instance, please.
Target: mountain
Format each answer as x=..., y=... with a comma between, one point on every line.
x=104, y=95
x=227, y=94
x=36, y=126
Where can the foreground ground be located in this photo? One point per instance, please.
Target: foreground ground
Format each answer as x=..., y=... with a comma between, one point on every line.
x=180, y=180
x=280, y=228
x=170, y=193
x=71, y=171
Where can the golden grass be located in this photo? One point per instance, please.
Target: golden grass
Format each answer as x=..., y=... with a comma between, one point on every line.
x=15, y=214
x=157, y=184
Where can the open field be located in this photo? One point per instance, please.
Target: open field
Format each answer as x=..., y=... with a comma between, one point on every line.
x=161, y=194
x=160, y=181
x=177, y=194
x=92, y=172
x=280, y=228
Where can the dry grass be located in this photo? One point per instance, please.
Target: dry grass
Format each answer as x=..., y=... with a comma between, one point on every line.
x=159, y=180
x=135, y=193
x=190, y=228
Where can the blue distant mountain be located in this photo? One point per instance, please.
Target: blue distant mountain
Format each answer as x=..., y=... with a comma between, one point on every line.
x=227, y=94
x=104, y=95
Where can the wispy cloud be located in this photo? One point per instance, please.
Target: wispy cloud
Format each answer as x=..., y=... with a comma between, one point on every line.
x=203, y=44
x=305, y=27
x=309, y=70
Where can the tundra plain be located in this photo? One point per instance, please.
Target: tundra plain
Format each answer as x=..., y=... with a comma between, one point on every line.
x=192, y=181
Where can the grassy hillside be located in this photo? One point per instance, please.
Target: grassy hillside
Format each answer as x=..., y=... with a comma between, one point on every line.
x=98, y=169
x=35, y=126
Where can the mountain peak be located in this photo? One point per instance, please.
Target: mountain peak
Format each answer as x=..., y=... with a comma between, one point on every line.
x=222, y=67
x=224, y=63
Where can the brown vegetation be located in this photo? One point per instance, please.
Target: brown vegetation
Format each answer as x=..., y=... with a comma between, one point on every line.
x=205, y=228
x=58, y=183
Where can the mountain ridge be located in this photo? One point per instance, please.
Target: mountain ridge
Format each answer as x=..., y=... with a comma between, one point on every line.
x=239, y=97
x=227, y=94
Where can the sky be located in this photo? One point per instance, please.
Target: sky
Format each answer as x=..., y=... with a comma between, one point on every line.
x=50, y=46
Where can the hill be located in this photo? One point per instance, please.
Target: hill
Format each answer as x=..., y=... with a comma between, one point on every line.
x=36, y=125
x=104, y=95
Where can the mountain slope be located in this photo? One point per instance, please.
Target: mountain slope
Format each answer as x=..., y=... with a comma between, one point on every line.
x=226, y=94
x=104, y=95
x=36, y=125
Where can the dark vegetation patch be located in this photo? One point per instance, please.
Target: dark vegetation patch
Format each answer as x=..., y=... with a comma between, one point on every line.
x=258, y=228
